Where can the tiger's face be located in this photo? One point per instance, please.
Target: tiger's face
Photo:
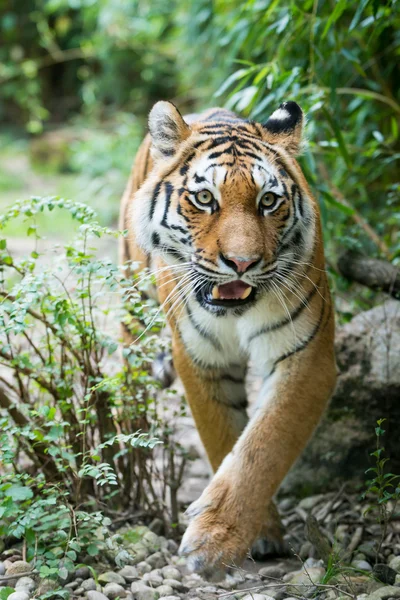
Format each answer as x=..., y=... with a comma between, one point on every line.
x=227, y=200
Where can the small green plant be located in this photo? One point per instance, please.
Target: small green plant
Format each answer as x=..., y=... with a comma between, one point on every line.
x=81, y=421
x=383, y=490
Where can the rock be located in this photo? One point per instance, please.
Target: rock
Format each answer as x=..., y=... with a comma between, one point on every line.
x=114, y=590
x=19, y=595
x=143, y=568
x=312, y=562
x=361, y=565
x=157, y=526
x=82, y=572
x=257, y=597
x=174, y=598
x=89, y=585
x=25, y=582
x=153, y=580
x=2, y=568
x=311, y=501
x=271, y=572
x=129, y=573
x=156, y=560
x=369, y=549
x=387, y=591
x=174, y=583
x=95, y=595
x=367, y=351
x=172, y=546
x=171, y=573
x=384, y=573
x=305, y=550
x=79, y=591
x=111, y=577
x=165, y=590
x=301, y=581
x=140, y=591
x=395, y=564
x=151, y=540
x=19, y=566
x=72, y=585
x=46, y=585
x=140, y=554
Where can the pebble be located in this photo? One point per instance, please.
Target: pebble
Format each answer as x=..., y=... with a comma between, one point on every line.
x=171, y=573
x=174, y=583
x=19, y=595
x=151, y=540
x=272, y=572
x=153, y=580
x=72, y=585
x=79, y=591
x=165, y=590
x=83, y=572
x=114, y=590
x=111, y=577
x=19, y=566
x=157, y=526
x=157, y=560
x=89, y=584
x=311, y=501
x=384, y=573
x=140, y=591
x=395, y=564
x=129, y=573
x=367, y=548
x=143, y=568
x=25, y=582
x=361, y=565
x=94, y=595
x=2, y=568
x=257, y=597
x=174, y=598
x=172, y=546
x=388, y=591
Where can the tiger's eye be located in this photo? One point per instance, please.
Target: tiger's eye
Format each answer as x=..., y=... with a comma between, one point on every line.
x=268, y=200
x=204, y=197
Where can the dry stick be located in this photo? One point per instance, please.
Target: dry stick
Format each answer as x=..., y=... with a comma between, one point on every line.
x=357, y=218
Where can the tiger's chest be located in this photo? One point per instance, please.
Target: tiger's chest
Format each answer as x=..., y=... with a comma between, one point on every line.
x=261, y=335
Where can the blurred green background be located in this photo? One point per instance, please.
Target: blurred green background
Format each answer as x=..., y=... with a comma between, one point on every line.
x=78, y=77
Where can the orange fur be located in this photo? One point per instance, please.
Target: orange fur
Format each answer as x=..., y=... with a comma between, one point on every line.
x=249, y=459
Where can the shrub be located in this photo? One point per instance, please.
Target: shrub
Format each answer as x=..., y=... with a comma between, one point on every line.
x=80, y=418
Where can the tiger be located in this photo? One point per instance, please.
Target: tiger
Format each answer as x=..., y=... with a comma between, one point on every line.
x=217, y=206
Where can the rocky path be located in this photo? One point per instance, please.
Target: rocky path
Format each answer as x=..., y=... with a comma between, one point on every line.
x=154, y=571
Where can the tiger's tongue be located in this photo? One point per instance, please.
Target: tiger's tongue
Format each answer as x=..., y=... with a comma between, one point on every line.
x=232, y=291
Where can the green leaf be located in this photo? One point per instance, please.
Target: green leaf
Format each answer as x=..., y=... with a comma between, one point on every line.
x=5, y=592
x=360, y=8
x=93, y=550
x=3, y=245
x=19, y=492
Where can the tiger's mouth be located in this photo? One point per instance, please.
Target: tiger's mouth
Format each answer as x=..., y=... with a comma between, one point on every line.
x=234, y=293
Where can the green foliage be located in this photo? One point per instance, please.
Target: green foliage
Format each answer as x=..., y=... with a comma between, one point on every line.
x=383, y=490
x=78, y=422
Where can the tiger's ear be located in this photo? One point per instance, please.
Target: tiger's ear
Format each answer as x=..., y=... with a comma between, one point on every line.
x=167, y=129
x=285, y=127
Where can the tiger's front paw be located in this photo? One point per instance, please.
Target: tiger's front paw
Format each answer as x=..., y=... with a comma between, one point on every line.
x=222, y=529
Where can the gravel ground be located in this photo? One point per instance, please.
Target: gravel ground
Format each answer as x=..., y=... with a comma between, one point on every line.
x=330, y=523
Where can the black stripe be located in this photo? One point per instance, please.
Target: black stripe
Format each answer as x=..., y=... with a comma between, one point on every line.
x=228, y=377
x=169, y=188
x=154, y=200
x=204, y=334
x=296, y=313
x=305, y=342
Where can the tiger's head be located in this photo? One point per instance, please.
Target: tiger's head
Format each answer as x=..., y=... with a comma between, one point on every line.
x=227, y=198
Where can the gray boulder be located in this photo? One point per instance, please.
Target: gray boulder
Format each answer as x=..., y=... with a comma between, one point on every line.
x=368, y=388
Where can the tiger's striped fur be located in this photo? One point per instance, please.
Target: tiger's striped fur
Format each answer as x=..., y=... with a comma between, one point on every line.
x=284, y=328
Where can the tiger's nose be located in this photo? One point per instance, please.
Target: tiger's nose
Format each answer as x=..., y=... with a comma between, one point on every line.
x=239, y=264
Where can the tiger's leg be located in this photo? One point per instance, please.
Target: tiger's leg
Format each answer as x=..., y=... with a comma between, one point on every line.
x=218, y=403
x=230, y=513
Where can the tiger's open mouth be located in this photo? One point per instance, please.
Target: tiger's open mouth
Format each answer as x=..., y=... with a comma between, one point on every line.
x=234, y=293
